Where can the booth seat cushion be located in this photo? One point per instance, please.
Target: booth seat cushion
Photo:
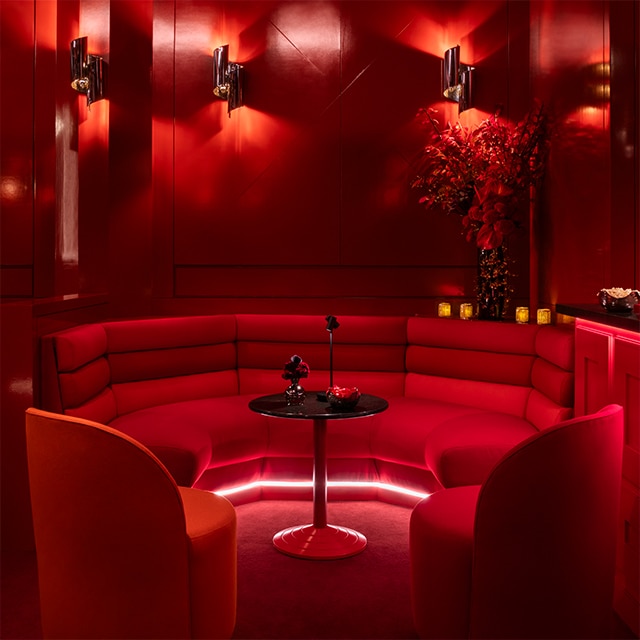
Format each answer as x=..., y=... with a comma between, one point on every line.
x=398, y=434
x=193, y=436
x=462, y=450
x=458, y=443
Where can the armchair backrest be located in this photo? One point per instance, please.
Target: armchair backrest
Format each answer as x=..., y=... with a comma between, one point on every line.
x=545, y=533
x=110, y=532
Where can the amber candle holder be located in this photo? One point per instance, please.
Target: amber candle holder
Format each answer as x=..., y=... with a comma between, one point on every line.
x=444, y=310
x=466, y=311
x=544, y=316
x=522, y=315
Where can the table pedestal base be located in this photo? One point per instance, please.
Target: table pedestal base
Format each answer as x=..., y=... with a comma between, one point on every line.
x=319, y=543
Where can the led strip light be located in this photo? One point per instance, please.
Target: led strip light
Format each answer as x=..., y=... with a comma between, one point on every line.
x=308, y=484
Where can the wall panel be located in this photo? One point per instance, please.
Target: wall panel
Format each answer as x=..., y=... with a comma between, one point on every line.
x=581, y=65
x=313, y=172
x=17, y=34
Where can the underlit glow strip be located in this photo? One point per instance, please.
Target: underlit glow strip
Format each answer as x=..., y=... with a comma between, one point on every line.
x=307, y=484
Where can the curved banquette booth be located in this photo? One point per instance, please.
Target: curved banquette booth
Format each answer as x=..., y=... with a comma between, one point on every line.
x=461, y=393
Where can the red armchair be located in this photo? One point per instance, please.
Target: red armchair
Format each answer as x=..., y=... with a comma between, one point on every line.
x=531, y=552
x=122, y=551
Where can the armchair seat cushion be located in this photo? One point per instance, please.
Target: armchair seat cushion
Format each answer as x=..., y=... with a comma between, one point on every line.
x=211, y=529
x=441, y=545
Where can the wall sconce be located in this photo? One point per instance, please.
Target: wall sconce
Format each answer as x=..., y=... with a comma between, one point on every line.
x=86, y=71
x=227, y=78
x=456, y=79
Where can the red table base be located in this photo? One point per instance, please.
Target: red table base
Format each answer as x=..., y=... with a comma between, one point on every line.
x=319, y=543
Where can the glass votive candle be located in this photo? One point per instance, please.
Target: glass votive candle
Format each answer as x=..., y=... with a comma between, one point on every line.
x=544, y=316
x=444, y=310
x=466, y=311
x=522, y=315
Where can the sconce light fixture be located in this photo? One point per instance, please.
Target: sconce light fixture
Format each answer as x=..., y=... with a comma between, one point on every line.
x=456, y=79
x=86, y=71
x=227, y=78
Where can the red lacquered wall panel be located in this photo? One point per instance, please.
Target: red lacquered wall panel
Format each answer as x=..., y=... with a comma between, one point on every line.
x=624, y=20
x=129, y=196
x=16, y=160
x=92, y=148
x=313, y=171
x=303, y=193
x=581, y=65
x=261, y=186
x=594, y=381
x=16, y=384
x=608, y=370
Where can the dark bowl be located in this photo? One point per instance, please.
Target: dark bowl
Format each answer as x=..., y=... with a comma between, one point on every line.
x=618, y=300
x=344, y=398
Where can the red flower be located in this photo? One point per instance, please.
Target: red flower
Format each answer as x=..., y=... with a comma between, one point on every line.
x=483, y=174
x=295, y=369
x=488, y=237
x=475, y=213
x=505, y=227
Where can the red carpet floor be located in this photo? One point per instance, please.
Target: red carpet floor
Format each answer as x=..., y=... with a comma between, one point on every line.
x=365, y=596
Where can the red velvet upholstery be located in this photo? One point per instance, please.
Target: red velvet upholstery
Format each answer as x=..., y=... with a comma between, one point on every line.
x=530, y=553
x=122, y=552
x=460, y=393
x=368, y=352
x=500, y=370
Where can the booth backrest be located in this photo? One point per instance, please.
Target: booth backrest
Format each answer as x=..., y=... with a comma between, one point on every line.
x=75, y=377
x=523, y=370
x=552, y=378
x=109, y=369
x=368, y=352
x=101, y=371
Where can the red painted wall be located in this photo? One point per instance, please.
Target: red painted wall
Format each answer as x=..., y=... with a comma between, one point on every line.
x=300, y=199
x=585, y=63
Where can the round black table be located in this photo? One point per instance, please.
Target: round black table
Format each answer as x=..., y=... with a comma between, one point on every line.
x=318, y=541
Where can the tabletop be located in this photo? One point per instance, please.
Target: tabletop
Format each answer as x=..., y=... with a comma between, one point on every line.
x=276, y=405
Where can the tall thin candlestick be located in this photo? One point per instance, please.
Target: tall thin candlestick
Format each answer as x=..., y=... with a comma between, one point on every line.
x=331, y=359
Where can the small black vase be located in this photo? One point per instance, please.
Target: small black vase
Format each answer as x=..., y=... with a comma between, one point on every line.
x=294, y=393
x=493, y=283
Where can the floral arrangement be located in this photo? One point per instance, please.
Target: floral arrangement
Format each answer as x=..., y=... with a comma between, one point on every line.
x=484, y=173
x=295, y=369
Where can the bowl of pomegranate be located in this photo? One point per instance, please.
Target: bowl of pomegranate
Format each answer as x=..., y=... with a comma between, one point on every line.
x=344, y=398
